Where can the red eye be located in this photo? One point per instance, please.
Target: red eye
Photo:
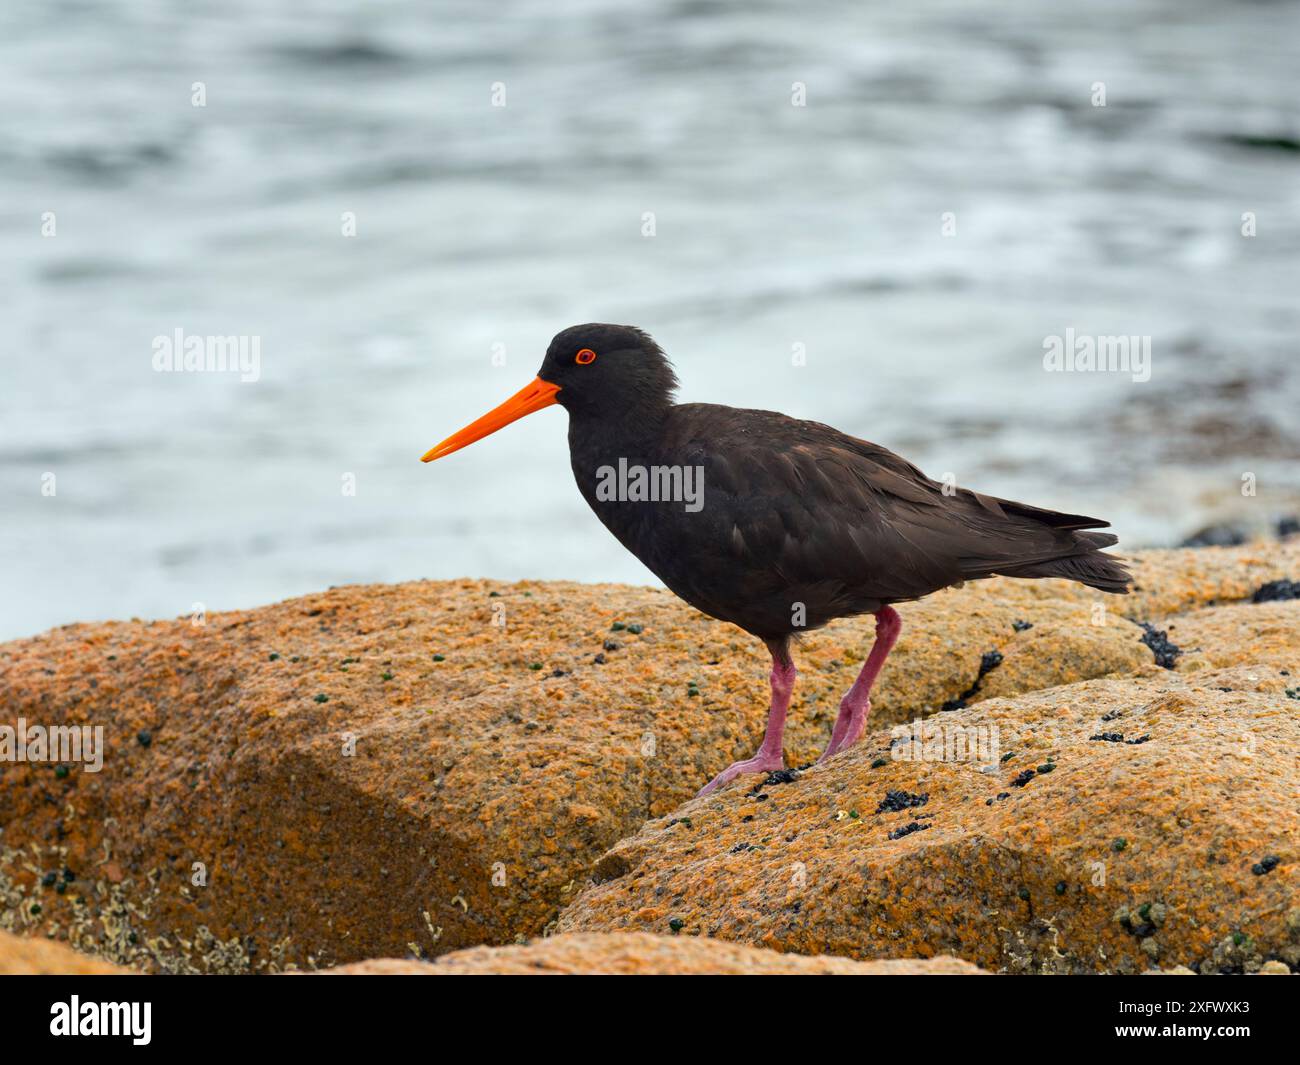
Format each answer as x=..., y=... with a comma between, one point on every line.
x=585, y=356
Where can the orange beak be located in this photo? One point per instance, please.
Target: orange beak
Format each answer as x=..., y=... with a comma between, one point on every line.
x=530, y=398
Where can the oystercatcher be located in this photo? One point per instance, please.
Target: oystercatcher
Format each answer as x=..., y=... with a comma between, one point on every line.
x=774, y=524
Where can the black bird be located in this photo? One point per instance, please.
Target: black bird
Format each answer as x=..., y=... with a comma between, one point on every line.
x=774, y=524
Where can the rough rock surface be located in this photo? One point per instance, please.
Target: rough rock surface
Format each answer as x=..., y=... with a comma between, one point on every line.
x=1105, y=826
x=637, y=953
x=418, y=768
x=21, y=956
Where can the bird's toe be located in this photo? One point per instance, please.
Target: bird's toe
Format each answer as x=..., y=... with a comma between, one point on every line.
x=758, y=764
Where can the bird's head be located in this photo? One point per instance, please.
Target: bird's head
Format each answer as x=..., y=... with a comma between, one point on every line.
x=611, y=371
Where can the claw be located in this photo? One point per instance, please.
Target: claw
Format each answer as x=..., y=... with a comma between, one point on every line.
x=760, y=763
x=769, y=755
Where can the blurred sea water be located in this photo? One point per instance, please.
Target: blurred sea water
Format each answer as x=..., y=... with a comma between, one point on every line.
x=483, y=230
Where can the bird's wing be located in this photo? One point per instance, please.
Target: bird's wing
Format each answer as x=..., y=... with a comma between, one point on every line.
x=810, y=503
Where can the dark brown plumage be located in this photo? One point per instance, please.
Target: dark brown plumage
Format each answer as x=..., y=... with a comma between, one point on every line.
x=798, y=523
x=795, y=511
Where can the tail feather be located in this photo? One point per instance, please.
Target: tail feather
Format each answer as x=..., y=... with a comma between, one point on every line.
x=1049, y=543
x=1097, y=539
x=1103, y=572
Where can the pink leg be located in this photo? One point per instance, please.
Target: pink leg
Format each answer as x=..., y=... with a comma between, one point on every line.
x=856, y=705
x=769, y=756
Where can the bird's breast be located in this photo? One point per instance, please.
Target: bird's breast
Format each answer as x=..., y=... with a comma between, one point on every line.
x=661, y=508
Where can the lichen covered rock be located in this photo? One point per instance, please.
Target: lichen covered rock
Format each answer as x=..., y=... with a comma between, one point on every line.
x=414, y=769
x=1107, y=826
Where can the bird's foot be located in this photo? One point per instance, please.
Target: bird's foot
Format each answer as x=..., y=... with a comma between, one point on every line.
x=760, y=763
x=848, y=730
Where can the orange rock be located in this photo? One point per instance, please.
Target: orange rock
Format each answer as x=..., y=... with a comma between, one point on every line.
x=21, y=956
x=1109, y=826
x=638, y=954
x=351, y=773
x=1246, y=633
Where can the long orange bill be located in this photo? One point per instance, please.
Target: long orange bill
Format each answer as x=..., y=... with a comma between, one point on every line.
x=530, y=398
